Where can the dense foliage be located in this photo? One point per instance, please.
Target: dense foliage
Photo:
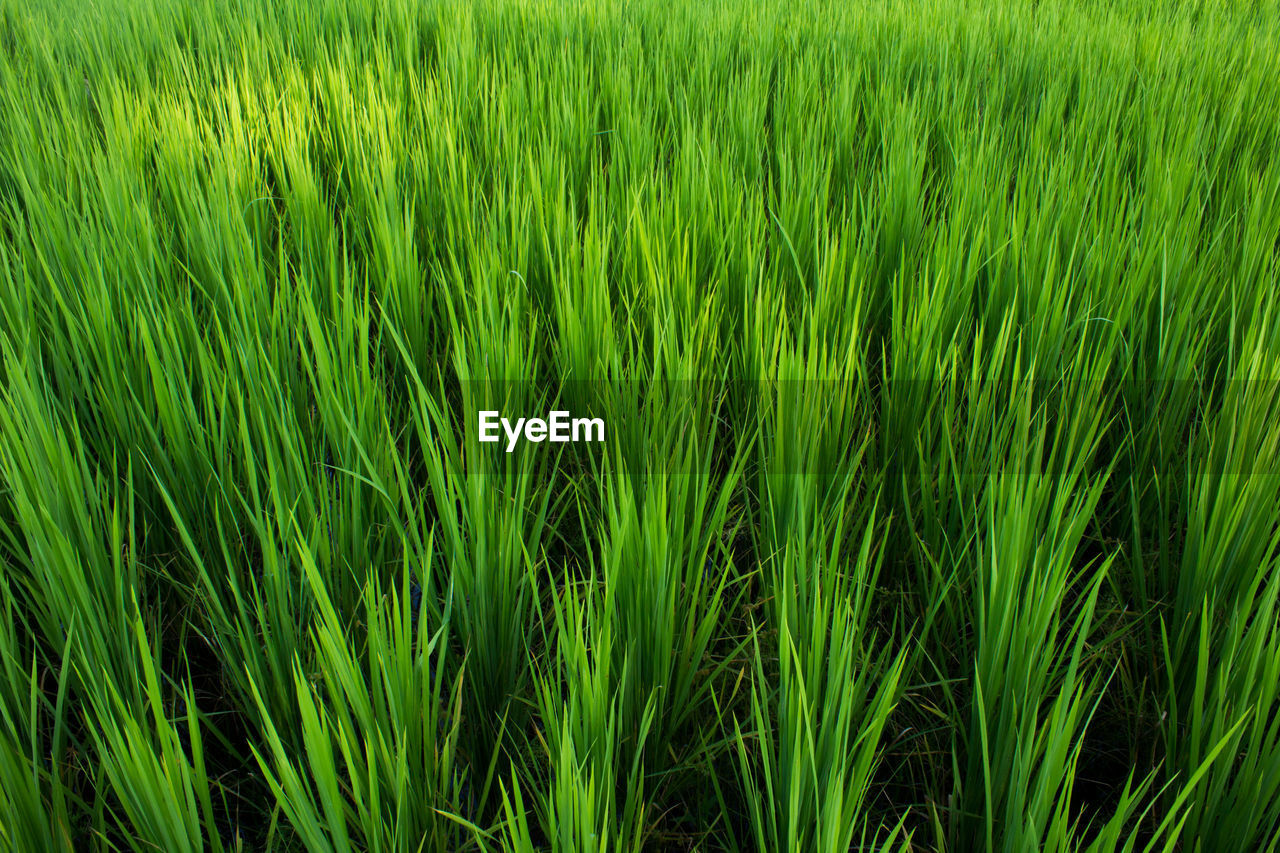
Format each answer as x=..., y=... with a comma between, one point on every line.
x=937, y=345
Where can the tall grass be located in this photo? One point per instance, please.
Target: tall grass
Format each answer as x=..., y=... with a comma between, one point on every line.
x=936, y=345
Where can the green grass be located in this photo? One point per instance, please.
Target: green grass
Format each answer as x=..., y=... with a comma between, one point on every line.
x=938, y=347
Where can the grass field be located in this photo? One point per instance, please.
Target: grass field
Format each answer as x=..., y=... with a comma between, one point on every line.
x=937, y=346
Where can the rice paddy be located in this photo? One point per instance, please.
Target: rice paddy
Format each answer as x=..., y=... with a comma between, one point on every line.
x=934, y=347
